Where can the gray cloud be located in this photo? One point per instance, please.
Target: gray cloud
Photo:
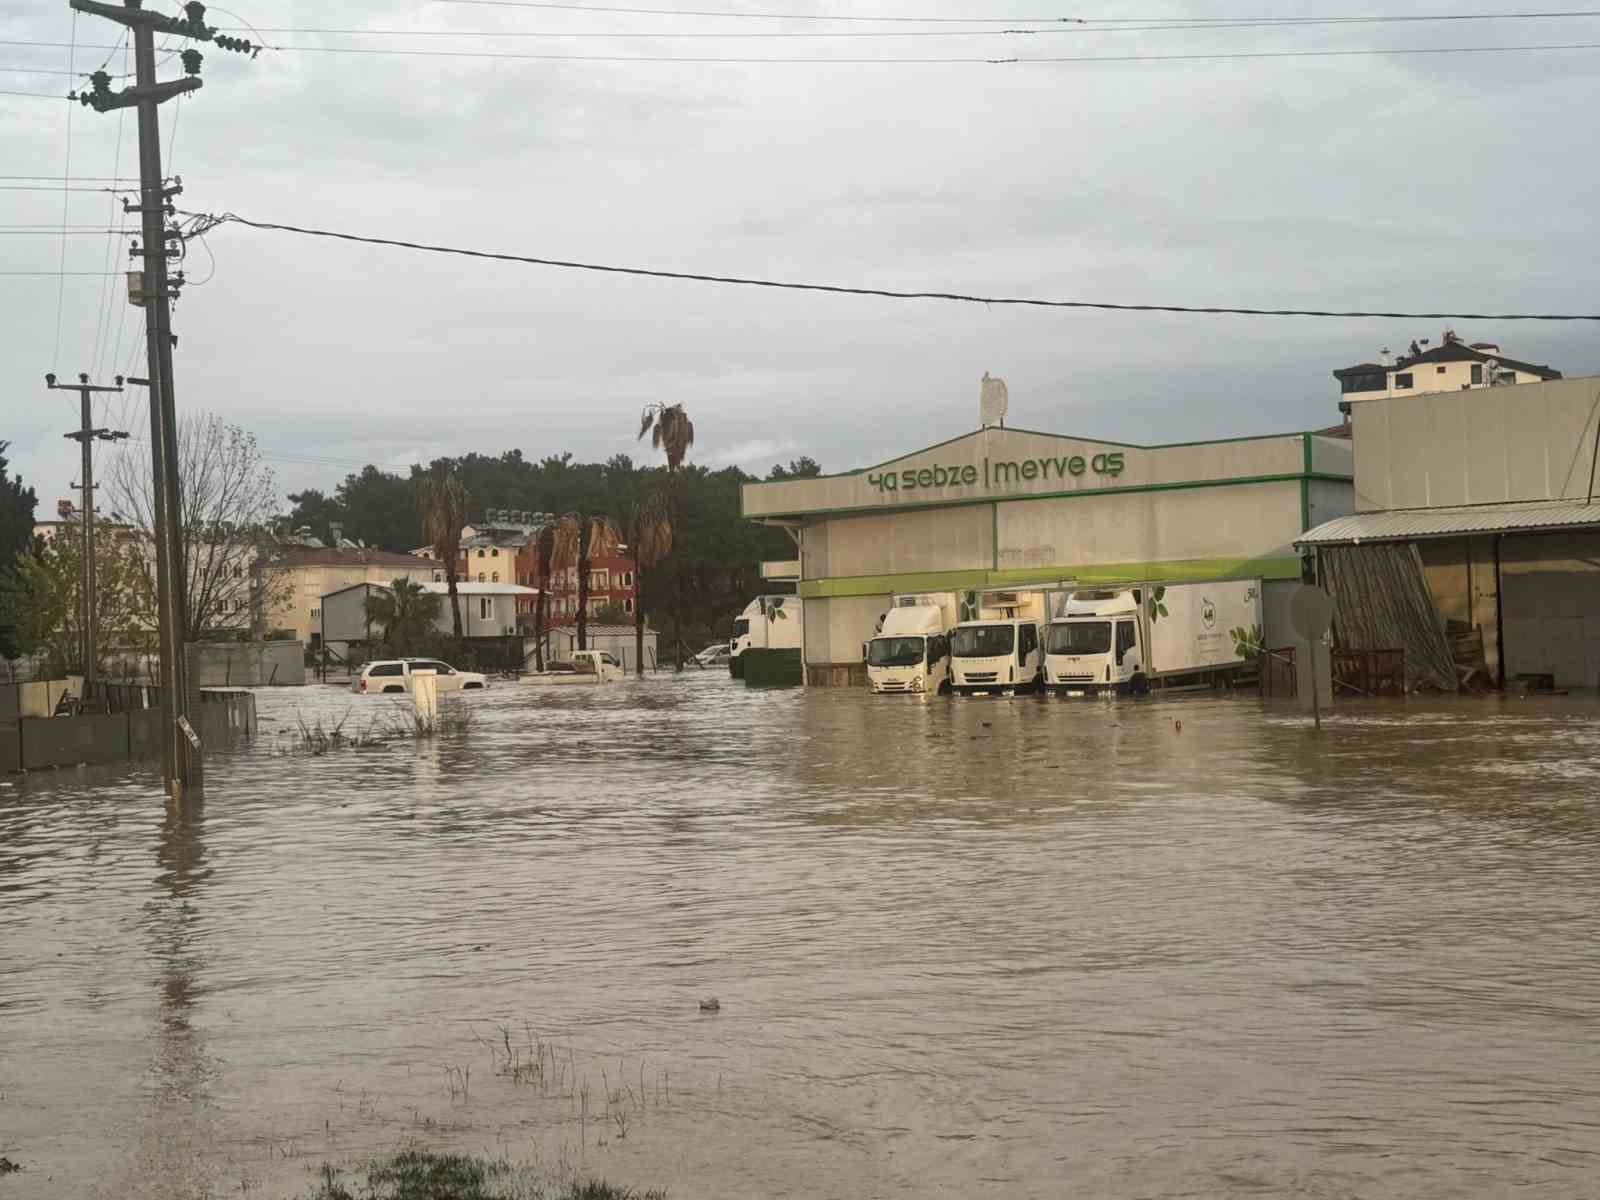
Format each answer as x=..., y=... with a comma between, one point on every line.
x=1357, y=182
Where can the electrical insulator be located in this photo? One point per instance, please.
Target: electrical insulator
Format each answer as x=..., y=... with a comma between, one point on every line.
x=191, y=62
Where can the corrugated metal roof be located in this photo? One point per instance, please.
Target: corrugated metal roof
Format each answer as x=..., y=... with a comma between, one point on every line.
x=1410, y=524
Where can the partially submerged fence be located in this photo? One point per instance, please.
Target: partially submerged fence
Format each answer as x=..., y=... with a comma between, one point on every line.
x=127, y=730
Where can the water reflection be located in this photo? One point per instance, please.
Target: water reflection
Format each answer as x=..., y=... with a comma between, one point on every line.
x=176, y=1137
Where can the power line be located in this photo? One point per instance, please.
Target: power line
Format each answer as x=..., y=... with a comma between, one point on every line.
x=1079, y=27
x=953, y=60
x=757, y=16
x=79, y=178
x=207, y=222
x=949, y=61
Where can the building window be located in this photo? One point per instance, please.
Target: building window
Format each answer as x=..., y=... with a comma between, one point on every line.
x=1438, y=370
x=495, y=553
x=1477, y=373
x=315, y=612
x=1403, y=380
x=480, y=551
x=438, y=576
x=485, y=608
x=494, y=577
x=627, y=579
x=627, y=605
x=600, y=580
x=480, y=577
x=1370, y=382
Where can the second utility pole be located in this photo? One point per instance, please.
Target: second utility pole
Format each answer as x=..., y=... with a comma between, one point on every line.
x=85, y=436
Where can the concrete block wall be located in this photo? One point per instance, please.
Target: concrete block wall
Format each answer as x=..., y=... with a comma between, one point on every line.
x=246, y=664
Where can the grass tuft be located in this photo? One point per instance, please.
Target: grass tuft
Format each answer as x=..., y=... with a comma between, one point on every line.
x=417, y=1174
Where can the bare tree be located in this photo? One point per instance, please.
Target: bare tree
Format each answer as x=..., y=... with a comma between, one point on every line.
x=230, y=501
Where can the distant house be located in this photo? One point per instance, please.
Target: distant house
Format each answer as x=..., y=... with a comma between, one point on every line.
x=488, y=610
x=1453, y=365
x=304, y=574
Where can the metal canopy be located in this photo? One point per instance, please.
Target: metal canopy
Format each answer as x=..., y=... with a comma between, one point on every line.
x=1413, y=524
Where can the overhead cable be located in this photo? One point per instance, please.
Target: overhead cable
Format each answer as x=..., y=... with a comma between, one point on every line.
x=1081, y=27
x=205, y=222
x=935, y=61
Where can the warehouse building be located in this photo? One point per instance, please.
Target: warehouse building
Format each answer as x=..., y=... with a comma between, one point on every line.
x=1005, y=507
x=1477, y=521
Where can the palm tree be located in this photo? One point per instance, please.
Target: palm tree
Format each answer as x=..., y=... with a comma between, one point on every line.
x=672, y=432
x=405, y=611
x=544, y=549
x=649, y=539
x=577, y=539
x=444, y=503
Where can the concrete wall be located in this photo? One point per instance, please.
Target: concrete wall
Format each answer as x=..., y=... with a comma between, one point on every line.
x=934, y=539
x=37, y=743
x=246, y=664
x=563, y=640
x=836, y=627
x=1552, y=606
x=1213, y=524
x=1485, y=446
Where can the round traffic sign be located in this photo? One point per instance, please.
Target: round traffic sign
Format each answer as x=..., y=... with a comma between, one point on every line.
x=1311, y=612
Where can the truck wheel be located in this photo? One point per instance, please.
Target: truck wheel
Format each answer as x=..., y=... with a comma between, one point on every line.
x=1139, y=685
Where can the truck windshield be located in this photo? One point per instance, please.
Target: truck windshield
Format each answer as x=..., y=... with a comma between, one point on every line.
x=1079, y=637
x=982, y=641
x=895, y=652
x=741, y=627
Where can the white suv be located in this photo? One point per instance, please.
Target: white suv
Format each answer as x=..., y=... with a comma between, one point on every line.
x=394, y=675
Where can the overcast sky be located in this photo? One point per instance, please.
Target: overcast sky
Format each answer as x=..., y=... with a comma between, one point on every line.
x=1461, y=182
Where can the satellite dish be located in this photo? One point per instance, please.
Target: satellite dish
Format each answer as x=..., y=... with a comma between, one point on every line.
x=1311, y=612
x=992, y=401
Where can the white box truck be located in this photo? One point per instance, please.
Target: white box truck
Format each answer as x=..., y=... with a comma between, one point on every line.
x=1126, y=639
x=767, y=623
x=997, y=649
x=911, y=652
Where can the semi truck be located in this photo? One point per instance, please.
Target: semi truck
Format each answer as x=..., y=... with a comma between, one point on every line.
x=1129, y=639
x=911, y=651
x=997, y=648
x=767, y=623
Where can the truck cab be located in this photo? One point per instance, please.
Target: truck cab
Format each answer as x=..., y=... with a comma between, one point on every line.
x=911, y=652
x=999, y=657
x=1097, y=643
x=997, y=648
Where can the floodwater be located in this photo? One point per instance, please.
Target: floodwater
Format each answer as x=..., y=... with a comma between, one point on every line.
x=1181, y=947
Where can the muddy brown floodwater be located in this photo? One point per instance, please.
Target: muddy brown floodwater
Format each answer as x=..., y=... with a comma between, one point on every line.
x=1018, y=948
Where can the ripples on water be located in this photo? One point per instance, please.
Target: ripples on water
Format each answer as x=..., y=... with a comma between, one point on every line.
x=1011, y=947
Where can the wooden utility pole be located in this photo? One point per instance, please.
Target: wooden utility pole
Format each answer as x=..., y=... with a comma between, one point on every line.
x=86, y=435
x=180, y=756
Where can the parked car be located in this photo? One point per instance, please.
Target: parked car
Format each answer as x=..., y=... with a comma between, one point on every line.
x=715, y=655
x=394, y=675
